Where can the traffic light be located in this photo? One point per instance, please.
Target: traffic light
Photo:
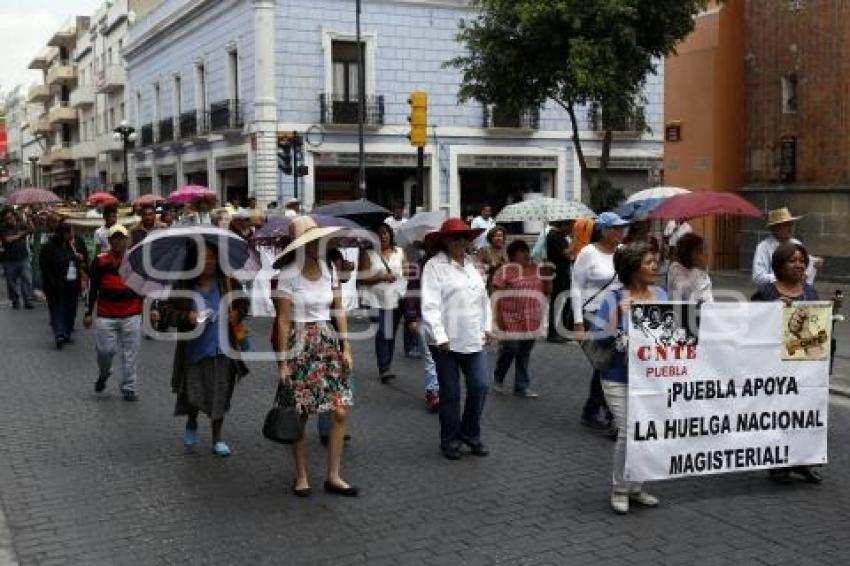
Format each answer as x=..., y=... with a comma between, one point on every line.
x=418, y=118
x=284, y=155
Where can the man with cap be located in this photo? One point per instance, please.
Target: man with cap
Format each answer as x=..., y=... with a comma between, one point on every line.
x=293, y=207
x=119, y=315
x=780, y=222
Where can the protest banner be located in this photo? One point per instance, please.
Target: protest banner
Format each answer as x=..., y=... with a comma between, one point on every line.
x=726, y=387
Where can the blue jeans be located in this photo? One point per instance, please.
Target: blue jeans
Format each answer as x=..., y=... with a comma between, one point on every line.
x=63, y=309
x=18, y=280
x=455, y=428
x=387, y=320
x=431, y=383
x=518, y=351
x=412, y=344
x=112, y=335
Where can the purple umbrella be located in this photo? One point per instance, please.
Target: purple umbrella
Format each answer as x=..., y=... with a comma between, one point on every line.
x=32, y=195
x=189, y=193
x=277, y=227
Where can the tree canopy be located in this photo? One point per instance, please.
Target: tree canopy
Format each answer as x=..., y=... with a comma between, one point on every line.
x=521, y=53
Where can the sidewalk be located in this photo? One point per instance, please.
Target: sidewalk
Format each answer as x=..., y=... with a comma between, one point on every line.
x=840, y=383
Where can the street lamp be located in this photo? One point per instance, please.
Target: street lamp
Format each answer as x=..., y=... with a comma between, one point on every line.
x=126, y=134
x=33, y=159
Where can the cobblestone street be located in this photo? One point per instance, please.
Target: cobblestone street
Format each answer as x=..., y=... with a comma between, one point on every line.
x=88, y=480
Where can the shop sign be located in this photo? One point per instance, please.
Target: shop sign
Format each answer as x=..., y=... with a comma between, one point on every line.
x=231, y=162
x=507, y=162
x=195, y=166
x=398, y=160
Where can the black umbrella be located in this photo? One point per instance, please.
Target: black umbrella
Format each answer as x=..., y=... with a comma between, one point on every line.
x=159, y=261
x=364, y=212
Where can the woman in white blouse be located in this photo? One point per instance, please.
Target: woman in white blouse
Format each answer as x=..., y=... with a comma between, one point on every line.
x=385, y=286
x=458, y=321
x=314, y=359
x=687, y=279
x=592, y=276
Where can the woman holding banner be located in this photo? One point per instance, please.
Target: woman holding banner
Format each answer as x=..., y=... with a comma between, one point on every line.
x=789, y=263
x=636, y=266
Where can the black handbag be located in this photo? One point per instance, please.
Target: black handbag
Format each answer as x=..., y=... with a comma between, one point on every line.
x=283, y=423
x=600, y=351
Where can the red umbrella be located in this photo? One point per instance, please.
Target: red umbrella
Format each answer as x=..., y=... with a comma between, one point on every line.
x=148, y=199
x=189, y=193
x=32, y=195
x=704, y=203
x=102, y=198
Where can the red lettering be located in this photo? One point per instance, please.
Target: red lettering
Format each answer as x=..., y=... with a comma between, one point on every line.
x=692, y=352
x=643, y=353
x=661, y=353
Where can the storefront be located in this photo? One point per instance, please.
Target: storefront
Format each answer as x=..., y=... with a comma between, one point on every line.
x=499, y=180
x=167, y=176
x=144, y=178
x=232, y=172
x=196, y=172
x=390, y=178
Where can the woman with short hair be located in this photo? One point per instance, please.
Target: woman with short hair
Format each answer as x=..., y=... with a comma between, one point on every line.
x=635, y=265
x=687, y=279
x=493, y=256
x=789, y=263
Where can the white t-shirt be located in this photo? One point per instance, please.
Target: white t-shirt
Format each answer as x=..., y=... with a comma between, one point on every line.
x=685, y=284
x=592, y=271
x=385, y=295
x=311, y=300
x=101, y=239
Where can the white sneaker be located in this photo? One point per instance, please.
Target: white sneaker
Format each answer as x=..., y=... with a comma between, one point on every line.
x=644, y=498
x=620, y=502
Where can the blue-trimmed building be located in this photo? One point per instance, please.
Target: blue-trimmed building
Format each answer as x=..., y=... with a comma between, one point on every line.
x=213, y=82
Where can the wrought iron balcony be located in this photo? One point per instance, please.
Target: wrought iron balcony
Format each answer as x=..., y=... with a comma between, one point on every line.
x=192, y=124
x=226, y=115
x=337, y=109
x=634, y=124
x=495, y=116
x=166, y=130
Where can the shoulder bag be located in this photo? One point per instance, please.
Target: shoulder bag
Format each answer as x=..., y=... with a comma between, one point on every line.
x=600, y=351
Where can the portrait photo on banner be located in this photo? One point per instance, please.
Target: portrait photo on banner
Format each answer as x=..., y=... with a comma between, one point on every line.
x=668, y=324
x=806, y=331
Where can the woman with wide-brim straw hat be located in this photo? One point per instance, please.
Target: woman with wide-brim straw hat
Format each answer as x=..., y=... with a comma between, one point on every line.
x=781, y=223
x=314, y=358
x=458, y=322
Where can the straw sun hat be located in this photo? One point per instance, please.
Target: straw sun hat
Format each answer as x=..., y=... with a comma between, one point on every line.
x=302, y=231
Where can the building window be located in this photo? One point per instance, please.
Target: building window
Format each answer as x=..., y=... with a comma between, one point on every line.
x=111, y=119
x=138, y=108
x=157, y=103
x=789, y=93
x=345, y=68
x=200, y=87
x=178, y=96
x=233, y=74
x=122, y=115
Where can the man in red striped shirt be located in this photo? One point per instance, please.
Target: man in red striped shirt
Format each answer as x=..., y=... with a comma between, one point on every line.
x=119, y=315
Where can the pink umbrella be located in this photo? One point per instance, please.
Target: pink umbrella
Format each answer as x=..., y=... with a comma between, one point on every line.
x=102, y=198
x=148, y=199
x=704, y=203
x=190, y=193
x=32, y=195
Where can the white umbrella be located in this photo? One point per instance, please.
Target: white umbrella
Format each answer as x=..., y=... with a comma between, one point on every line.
x=645, y=201
x=414, y=230
x=545, y=209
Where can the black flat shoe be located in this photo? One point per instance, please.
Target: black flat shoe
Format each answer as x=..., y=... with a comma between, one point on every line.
x=303, y=492
x=478, y=449
x=451, y=452
x=60, y=343
x=100, y=384
x=387, y=377
x=349, y=491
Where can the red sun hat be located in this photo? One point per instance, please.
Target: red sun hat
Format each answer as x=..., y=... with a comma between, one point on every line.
x=454, y=227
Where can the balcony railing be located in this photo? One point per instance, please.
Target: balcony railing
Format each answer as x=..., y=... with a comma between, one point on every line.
x=111, y=78
x=166, y=130
x=226, y=115
x=39, y=93
x=337, y=109
x=146, y=135
x=634, y=124
x=60, y=152
x=62, y=113
x=193, y=124
x=501, y=117
x=62, y=72
x=83, y=96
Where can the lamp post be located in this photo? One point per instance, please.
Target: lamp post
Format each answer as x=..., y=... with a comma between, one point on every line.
x=126, y=134
x=33, y=159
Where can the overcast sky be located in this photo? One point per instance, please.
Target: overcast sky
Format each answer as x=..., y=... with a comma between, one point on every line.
x=25, y=27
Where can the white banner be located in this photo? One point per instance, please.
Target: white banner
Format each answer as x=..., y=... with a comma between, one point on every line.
x=727, y=387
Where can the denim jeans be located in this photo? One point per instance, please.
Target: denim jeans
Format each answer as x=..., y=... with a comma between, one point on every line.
x=18, y=280
x=518, y=351
x=617, y=396
x=412, y=344
x=431, y=383
x=112, y=335
x=455, y=428
x=63, y=309
x=387, y=320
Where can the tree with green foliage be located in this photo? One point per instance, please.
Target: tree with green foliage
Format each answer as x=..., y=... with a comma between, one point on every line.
x=521, y=53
